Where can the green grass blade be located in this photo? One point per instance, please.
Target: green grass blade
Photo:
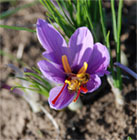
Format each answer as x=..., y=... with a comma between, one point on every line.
x=102, y=20
x=58, y=18
x=35, y=85
x=111, y=61
x=43, y=91
x=89, y=20
x=36, y=70
x=69, y=8
x=15, y=10
x=118, y=49
x=65, y=15
x=39, y=78
x=22, y=87
x=17, y=28
x=114, y=19
x=96, y=7
x=78, y=13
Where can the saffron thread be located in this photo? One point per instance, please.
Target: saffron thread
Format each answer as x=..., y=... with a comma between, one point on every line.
x=77, y=95
x=54, y=101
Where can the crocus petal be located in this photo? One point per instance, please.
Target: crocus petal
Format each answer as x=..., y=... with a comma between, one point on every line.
x=81, y=45
x=51, y=56
x=51, y=72
x=132, y=73
x=64, y=99
x=14, y=90
x=51, y=39
x=94, y=83
x=99, y=60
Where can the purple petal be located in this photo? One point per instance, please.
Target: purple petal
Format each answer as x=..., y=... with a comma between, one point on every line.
x=51, y=39
x=132, y=73
x=94, y=83
x=15, y=90
x=51, y=72
x=99, y=60
x=64, y=99
x=51, y=56
x=81, y=45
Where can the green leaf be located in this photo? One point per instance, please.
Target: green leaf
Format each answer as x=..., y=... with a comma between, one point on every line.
x=65, y=15
x=35, y=86
x=69, y=8
x=17, y=28
x=22, y=87
x=43, y=91
x=114, y=19
x=48, y=86
x=102, y=20
x=58, y=17
x=91, y=27
x=111, y=60
x=36, y=70
x=118, y=49
x=78, y=17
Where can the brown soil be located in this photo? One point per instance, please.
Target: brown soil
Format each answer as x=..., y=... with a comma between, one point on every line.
x=99, y=119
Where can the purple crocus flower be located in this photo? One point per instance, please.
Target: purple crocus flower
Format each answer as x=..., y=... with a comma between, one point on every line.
x=78, y=65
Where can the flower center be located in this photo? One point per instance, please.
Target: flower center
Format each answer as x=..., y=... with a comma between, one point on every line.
x=76, y=82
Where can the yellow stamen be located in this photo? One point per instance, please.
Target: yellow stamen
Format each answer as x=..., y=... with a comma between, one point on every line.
x=65, y=64
x=84, y=68
x=67, y=82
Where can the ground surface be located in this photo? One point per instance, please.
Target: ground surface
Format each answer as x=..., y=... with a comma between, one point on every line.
x=99, y=119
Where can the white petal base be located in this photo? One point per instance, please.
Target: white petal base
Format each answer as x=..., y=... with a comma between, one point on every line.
x=74, y=106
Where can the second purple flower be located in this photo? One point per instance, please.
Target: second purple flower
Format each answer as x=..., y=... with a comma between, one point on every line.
x=78, y=65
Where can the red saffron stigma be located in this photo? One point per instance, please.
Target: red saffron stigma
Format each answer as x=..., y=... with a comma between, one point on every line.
x=84, y=89
x=77, y=95
x=54, y=101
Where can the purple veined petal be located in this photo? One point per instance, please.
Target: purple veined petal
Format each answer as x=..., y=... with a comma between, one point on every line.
x=55, y=58
x=99, y=60
x=94, y=83
x=132, y=73
x=81, y=45
x=51, y=40
x=49, y=37
x=64, y=99
x=51, y=56
x=51, y=72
